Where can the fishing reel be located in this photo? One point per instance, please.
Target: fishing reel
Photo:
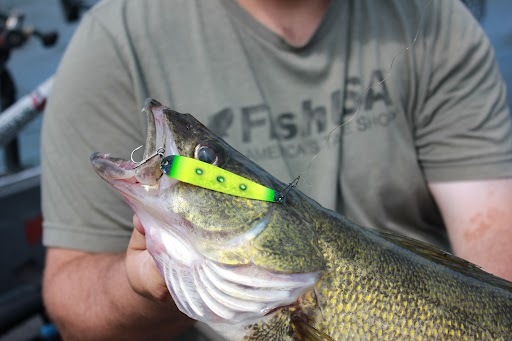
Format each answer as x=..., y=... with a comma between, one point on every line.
x=14, y=34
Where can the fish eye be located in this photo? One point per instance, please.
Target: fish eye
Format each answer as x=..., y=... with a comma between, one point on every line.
x=206, y=154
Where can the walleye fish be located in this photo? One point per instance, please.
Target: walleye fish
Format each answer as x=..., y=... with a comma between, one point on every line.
x=291, y=269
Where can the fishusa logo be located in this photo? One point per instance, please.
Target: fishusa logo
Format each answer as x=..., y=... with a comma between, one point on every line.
x=305, y=132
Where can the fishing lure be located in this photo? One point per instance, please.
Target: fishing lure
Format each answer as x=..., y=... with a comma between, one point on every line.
x=206, y=175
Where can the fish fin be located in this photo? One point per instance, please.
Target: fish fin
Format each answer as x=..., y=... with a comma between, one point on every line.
x=304, y=331
x=445, y=258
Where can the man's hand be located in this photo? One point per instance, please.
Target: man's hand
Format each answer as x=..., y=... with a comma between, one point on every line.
x=143, y=275
x=110, y=296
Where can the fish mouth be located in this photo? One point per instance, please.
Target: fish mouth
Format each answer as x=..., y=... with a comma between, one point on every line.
x=129, y=176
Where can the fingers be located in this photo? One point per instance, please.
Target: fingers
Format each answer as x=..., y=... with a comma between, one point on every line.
x=143, y=274
x=138, y=239
x=138, y=225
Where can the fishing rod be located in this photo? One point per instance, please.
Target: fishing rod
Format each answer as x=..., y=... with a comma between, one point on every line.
x=14, y=34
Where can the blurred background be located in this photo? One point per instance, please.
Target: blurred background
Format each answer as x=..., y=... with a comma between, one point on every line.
x=34, y=35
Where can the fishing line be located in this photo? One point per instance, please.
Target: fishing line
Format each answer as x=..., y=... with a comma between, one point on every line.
x=281, y=196
x=295, y=182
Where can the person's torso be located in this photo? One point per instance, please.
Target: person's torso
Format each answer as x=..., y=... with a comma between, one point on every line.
x=282, y=106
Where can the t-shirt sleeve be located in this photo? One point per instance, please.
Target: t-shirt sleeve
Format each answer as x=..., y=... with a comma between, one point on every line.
x=464, y=130
x=91, y=108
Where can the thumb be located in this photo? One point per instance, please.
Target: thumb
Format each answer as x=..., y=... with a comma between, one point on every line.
x=138, y=224
x=143, y=274
x=138, y=239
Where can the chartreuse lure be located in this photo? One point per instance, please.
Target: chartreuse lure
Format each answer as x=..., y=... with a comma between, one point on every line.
x=206, y=175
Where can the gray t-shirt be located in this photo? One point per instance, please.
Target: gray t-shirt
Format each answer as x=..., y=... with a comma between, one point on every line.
x=440, y=115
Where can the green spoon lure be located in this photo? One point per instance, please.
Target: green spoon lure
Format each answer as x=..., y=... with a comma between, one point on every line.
x=206, y=175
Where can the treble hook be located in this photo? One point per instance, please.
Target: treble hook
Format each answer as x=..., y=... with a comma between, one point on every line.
x=159, y=152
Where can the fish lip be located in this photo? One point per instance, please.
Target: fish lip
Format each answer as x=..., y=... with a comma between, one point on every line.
x=117, y=172
x=151, y=135
x=159, y=134
x=122, y=173
x=112, y=167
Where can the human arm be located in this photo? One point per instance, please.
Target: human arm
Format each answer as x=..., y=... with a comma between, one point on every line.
x=107, y=296
x=463, y=138
x=96, y=278
x=478, y=220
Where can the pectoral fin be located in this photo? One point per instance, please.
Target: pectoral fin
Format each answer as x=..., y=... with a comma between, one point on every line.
x=305, y=331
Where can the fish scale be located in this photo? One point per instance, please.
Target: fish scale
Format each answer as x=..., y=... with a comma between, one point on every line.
x=257, y=270
x=400, y=298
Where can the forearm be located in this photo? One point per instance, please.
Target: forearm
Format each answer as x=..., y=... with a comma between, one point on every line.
x=479, y=222
x=97, y=301
x=491, y=250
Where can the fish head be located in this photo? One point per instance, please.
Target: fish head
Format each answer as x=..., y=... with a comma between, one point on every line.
x=225, y=258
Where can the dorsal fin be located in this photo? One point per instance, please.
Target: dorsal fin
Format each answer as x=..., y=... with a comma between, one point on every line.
x=444, y=258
